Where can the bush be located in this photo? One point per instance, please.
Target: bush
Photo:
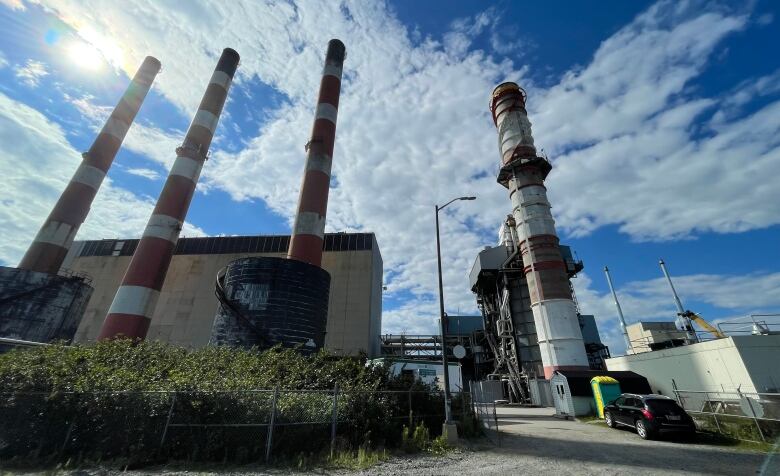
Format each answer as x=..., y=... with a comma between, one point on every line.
x=112, y=400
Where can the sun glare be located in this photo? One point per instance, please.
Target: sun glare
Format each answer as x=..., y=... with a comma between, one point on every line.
x=85, y=55
x=92, y=50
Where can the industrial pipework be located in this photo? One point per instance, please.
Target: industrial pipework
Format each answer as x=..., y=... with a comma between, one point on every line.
x=135, y=300
x=523, y=173
x=51, y=244
x=309, y=229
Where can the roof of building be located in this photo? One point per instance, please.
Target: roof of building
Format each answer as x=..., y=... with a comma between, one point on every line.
x=230, y=244
x=579, y=381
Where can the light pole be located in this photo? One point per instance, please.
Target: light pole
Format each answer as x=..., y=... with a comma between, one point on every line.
x=443, y=317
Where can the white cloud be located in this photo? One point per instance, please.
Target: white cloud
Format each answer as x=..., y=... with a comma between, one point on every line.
x=13, y=4
x=145, y=173
x=414, y=129
x=152, y=142
x=30, y=144
x=31, y=73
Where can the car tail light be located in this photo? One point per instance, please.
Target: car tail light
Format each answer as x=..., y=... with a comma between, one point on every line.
x=647, y=414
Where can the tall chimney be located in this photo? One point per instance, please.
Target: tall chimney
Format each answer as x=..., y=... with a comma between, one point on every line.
x=52, y=242
x=309, y=229
x=523, y=173
x=135, y=300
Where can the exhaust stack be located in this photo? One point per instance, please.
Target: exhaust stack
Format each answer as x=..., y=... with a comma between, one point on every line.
x=51, y=244
x=135, y=300
x=629, y=346
x=309, y=229
x=523, y=173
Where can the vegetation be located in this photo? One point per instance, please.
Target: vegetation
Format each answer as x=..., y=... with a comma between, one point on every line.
x=143, y=403
x=419, y=439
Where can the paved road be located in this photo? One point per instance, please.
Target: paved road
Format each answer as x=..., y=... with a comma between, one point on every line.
x=534, y=442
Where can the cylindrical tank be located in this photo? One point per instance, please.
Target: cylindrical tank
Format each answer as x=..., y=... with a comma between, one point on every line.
x=268, y=301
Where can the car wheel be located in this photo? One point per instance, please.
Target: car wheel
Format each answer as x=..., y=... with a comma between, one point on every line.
x=642, y=430
x=609, y=420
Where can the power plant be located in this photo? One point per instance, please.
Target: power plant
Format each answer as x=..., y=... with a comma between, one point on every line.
x=310, y=290
x=307, y=291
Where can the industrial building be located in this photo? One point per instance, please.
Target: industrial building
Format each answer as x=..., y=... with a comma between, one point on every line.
x=745, y=363
x=187, y=305
x=305, y=291
x=647, y=336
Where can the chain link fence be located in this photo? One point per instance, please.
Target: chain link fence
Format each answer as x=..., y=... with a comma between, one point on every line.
x=485, y=410
x=239, y=426
x=741, y=415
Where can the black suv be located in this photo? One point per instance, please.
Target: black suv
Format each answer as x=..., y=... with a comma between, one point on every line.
x=649, y=415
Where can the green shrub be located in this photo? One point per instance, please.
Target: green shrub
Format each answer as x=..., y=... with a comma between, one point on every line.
x=111, y=400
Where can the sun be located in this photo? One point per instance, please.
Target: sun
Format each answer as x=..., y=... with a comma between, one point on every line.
x=85, y=55
x=91, y=50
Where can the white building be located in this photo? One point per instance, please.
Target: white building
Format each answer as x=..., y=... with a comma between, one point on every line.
x=749, y=363
x=431, y=373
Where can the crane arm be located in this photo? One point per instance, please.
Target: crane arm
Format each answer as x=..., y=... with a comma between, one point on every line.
x=704, y=324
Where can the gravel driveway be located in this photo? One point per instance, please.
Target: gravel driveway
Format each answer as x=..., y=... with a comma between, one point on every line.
x=535, y=442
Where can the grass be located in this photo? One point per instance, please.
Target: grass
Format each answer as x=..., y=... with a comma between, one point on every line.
x=717, y=439
x=590, y=419
x=361, y=459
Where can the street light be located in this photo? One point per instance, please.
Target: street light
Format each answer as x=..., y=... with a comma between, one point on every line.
x=443, y=318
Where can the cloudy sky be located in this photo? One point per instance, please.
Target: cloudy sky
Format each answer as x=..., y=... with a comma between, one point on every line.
x=662, y=121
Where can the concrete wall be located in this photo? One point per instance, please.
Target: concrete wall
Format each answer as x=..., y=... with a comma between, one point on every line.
x=40, y=307
x=761, y=355
x=185, y=311
x=745, y=362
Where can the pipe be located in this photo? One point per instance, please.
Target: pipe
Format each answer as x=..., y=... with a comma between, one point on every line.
x=309, y=229
x=51, y=244
x=523, y=173
x=135, y=300
x=629, y=347
x=686, y=322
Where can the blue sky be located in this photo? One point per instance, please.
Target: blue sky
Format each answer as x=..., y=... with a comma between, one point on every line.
x=662, y=121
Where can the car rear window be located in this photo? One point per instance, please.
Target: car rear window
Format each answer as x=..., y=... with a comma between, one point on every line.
x=659, y=405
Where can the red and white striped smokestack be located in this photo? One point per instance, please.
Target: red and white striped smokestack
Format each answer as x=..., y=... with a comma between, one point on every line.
x=523, y=173
x=135, y=300
x=53, y=241
x=309, y=229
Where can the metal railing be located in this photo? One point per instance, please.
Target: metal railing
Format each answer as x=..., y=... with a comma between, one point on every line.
x=742, y=415
x=247, y=425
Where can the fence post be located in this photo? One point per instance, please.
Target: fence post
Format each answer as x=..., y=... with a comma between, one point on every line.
x=495, y=419
x=168, y=420
x=270, y=438
x=714, y=413
x=411, y=415
x=755, y=419
x=334, y=419
x=72, y=423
